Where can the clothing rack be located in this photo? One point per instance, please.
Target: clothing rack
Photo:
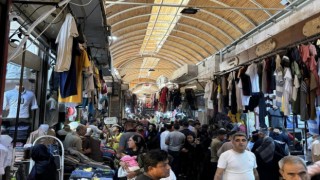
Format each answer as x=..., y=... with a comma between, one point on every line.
x=257, y=59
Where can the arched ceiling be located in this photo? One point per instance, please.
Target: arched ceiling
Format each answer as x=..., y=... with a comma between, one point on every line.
x=161, y=37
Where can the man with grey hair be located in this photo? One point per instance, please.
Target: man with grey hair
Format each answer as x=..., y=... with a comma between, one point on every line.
x=292, y=168
x=73, y=139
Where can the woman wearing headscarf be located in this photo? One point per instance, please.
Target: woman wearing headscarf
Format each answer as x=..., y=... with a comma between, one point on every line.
x=136, y=147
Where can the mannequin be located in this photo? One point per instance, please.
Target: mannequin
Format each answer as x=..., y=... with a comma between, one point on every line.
x=42, y=130
x=10, y=102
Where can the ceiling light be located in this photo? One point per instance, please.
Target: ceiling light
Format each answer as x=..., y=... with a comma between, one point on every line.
x=113, y=38
x=285, y=2
x=189, y=10
x=147, y=64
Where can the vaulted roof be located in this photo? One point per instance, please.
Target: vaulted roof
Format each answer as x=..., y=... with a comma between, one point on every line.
x=158, y=28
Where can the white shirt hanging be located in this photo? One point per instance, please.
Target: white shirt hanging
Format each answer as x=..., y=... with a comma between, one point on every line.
x=252, y=71
x=65, y=42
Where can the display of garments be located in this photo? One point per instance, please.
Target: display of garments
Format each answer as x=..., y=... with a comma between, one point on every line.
x=270, y=68
x=296, y=82
x=245, y=82
x=88, y=82
x=223, y=85
x=260, y=71
x=264, y=77
x=10, y=102
x=81, y=62
x=191, y=99
x=275, y=118
x=279, y=81
x=313, y=90
x=208, y=90
x=287, y=91
x=52, y=112
x=244, y=99
x=23, y=131
x=230, y=80
x=4, y=152
x=304, y=113
x=175, y=98
x=68, y=79
x=252, y=71
x=238, y=95
x=262, y=111
x=65, y=41
x=163, y=99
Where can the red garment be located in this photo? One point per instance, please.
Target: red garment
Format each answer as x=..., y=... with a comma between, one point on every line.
x=163, y=99
x=304, y=52
x=308, y=53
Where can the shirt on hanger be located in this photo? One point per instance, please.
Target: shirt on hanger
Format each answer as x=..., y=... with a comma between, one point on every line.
x=65, y=40
x=252, y=71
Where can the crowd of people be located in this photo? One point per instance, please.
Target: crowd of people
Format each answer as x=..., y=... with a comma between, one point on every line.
x=185, y=149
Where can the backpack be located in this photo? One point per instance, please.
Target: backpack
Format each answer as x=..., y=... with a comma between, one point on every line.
x=281, y=149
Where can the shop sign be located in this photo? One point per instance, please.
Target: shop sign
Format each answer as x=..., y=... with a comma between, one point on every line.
x=110, y=120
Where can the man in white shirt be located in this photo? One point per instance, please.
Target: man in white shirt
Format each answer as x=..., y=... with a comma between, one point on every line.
x=237, y=163
x=163, y=137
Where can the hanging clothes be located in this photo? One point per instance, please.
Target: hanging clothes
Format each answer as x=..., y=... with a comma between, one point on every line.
x=264, y=77
x=67, y=79
x=81, y=62
x=88, y=82
x=245, y=88
x=163, y=99
x=175, y=98
x=208, y=90
x=230, y=79
x=208, y=93
x=191, y=99
x=270, y=68
x=287, y=91
x=279, y=81
x=65, y=42
x=252, y=71
x=238, y=94
x=246, y=82
x=313, y=92
x=275, y=118
x=304, y=113
x=295, y=69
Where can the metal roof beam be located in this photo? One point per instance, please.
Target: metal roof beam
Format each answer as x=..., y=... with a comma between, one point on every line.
x=200, y=7
x=188, y=17
x=236, y=11
x=172, y=50
x=260, y=6
x=133, y=42
x=202, y=10
x=123, y=60
x=190, y=42
x=178, y=24
x=176, y=56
